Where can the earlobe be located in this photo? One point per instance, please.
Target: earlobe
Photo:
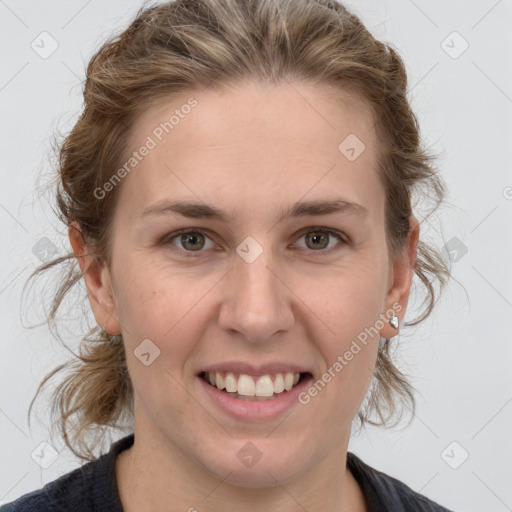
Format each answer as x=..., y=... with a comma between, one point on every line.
x=403, y=272
x=97, y=281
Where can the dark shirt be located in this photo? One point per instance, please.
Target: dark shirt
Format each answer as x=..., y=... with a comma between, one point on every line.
x=93, y=487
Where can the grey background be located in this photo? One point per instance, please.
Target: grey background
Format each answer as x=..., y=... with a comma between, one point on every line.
x=459, y=359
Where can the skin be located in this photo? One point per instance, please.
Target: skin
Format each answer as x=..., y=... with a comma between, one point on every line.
x=251, y=150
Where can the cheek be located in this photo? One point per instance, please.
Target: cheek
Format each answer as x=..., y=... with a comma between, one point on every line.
x=348, y=311
x=345, y=302
x=156, y=300
x=165, y=311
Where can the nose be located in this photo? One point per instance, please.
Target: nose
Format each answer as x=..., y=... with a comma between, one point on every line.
x=257, y=301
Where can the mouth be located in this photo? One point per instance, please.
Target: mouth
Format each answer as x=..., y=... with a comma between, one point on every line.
x=254, y=388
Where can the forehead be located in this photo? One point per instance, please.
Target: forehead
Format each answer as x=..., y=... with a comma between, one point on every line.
x=260, y=109
x=253, y=139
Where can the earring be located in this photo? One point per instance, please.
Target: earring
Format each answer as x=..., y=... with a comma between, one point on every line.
x=393, y=321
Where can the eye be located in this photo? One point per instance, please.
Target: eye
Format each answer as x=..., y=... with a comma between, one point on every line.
x=189, y=240
x=193, y=240
x=318, y=238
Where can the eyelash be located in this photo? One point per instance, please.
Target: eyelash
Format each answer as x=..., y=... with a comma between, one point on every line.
x=167, y=240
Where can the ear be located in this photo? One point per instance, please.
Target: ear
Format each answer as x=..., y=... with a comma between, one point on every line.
x=401, y=276
x=97, y=281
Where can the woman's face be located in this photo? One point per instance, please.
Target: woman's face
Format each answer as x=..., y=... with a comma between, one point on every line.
x=255, y=287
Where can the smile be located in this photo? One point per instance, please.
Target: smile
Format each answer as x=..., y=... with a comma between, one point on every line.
x=248, y=387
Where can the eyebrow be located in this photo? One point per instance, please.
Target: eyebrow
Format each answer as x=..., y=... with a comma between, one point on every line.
x=300, y=209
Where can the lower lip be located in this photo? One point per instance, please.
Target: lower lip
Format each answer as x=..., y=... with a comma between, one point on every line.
x=255, y=410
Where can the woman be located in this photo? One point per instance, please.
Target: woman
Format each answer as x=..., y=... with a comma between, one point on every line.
x=238, y=197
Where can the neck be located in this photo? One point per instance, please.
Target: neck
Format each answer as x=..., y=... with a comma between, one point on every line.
x=151, y=475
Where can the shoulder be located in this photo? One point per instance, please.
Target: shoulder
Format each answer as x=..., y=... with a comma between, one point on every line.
x=383, y=492
x=86, y=488
x=70, y=490
x=31, y=502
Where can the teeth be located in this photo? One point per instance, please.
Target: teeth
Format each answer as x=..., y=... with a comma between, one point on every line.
x=263, y=386
x=246, y=386
x=288, y=381
x=279, y=383
x=230, y=383
x=219, y=381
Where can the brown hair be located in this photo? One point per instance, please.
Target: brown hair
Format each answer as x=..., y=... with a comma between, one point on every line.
x=189, y=44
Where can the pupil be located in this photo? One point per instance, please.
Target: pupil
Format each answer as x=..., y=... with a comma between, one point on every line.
x=316, y=238
x=187, y=237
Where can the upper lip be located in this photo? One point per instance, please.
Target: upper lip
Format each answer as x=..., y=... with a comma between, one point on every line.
x=251, y=369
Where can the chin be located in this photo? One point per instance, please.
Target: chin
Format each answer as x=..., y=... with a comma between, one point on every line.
x=254, y=468
x=261, y=478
